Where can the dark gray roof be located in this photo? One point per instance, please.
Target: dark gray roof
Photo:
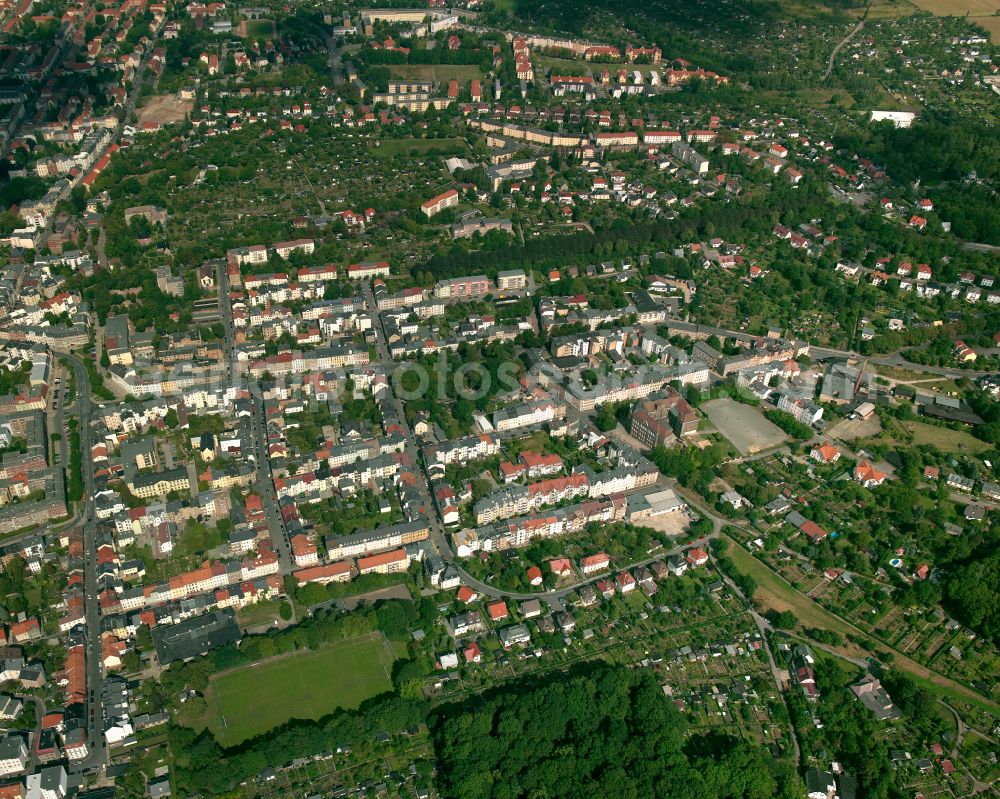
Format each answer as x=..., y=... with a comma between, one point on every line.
x=195, y=636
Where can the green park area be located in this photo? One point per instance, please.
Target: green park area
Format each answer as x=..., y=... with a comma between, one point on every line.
x=307, y=684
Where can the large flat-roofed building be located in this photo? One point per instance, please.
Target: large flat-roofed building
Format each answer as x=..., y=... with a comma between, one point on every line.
x=195, y=636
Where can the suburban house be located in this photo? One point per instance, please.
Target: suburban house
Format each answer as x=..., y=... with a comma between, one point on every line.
x=595, y=563
x=868, y=475
x=825, y=453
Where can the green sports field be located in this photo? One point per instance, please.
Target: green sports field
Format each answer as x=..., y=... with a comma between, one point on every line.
x=310, y=684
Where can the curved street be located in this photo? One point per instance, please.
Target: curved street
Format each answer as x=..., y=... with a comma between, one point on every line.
x=841, y=44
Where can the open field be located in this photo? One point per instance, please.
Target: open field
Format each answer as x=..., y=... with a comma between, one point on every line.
x=309, y=684
x=959, y=8
x=164, y=109
x=675, y=523
x=887, y=9
x=258, y=29
x=850, y=429
x=981, y=12
x=901, y=372
x=463, y=73
x=991, y=24
x=944, y=439
x=263, y=614
x=743, y=425
x=563, y=66
x=399, y=591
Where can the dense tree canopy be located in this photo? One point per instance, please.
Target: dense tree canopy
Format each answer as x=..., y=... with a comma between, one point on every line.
x=603, y=731
x=974, y=594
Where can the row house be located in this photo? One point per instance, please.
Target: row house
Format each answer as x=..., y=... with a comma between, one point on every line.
x=378, y=540
x=528, y=414
x=519, y=500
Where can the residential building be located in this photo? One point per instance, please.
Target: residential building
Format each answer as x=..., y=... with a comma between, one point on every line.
x=448, y=199
x=384, y=562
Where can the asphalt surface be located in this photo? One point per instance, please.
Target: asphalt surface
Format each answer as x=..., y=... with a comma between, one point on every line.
x=95, y=711
x=258, y=425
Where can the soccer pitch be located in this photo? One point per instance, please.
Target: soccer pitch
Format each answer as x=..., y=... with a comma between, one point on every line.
x=309, y=684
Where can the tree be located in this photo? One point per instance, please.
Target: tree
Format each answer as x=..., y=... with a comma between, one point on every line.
x=599, y=730
x=785, y=620
x=973, y=593
x=285, y=610
x=605, y=419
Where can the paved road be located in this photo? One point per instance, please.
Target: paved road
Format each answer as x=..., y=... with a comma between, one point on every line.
x=559, y=594
x=258, y=426
x=95, y=711
x=265, y=481
x=438, y=535
x=977, y=247
x=764, y=627
x=840, y=44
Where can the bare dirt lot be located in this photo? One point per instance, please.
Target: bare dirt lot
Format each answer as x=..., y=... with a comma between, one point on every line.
x=743, y=425
x=850, y=429
x=164, y=109
x=670, y=523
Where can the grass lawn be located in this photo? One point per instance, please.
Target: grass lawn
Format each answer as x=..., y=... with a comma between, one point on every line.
x=463, y=73
x=569, y=66
x=253, y=699
x=260, y=28
x=773, y=592
x=263, y=613
x=945, y=439
x=389, y=148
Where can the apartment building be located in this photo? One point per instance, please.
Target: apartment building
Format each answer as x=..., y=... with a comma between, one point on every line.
x=518, y=500
x=448, y=199
x=528, y=414
x=511, y=280
x=460, y=288
x=384, y=562
x=368, y=269
x=382, y=538
x=657, y=422
x=146, y=486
